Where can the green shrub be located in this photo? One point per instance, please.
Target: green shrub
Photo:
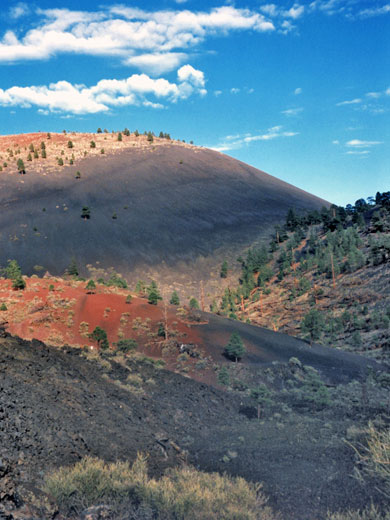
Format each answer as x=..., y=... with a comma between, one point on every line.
x=223, y=377
x=181, y=494
x=126, y=345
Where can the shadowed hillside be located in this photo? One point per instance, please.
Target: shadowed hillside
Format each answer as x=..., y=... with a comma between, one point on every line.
x=155, y=209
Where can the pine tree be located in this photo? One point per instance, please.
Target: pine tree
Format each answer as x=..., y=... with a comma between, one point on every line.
x=100, y=336
x=175, y=300
x=153, y=293
x=73, y=270
x=91, y=286
x=235, y=349
x=194, y=305
x=224, y=269
x=20, y=165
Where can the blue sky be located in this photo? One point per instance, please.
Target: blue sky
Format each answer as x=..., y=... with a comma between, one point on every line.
x=298, y=89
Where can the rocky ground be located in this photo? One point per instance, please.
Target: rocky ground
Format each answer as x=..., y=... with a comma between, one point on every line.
x=58, y=405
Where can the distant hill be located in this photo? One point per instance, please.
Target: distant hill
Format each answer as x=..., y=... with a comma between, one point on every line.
x=164, y=210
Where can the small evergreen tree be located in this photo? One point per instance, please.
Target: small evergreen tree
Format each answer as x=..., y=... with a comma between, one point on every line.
x=150, y=137
x=78, y=175
x=92, y=144
x=175, y=300
x=224, y=269
x=100, y=336
x=85, y=213
x=3, y=307
x=129, y=298
x=126, y=345
x=73, y=270
x=153, y=293
x=235, y=349
x=194, y=305
x=91, y=286
x=99, y=131
x=29, y=157
x=18, y=283
x=120, y=136
x=20, y=165
x=223, y=377
x=70, y=144
x=313, y=323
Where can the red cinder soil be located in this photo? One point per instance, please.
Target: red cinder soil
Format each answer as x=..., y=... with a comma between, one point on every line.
x=61, y=312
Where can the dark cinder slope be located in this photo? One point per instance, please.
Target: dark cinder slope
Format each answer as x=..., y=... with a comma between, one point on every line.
x=56, y=407
x=177, y=207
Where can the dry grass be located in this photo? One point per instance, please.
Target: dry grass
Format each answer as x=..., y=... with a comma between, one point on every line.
x=374, y=459
x=182, y=493
x=371, y=513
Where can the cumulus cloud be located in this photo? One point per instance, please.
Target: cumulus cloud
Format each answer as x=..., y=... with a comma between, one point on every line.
x=298, y=91
x=140, y=38
x=157, y=63
x=295, y=12
x=107, y=93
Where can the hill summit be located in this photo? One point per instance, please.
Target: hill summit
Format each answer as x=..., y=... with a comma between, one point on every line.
x=145, y=206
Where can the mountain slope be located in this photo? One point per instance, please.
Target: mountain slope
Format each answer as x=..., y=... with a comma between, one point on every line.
x=155, y=208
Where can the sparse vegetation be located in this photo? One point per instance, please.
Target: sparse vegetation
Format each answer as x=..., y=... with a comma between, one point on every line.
x=182, y=493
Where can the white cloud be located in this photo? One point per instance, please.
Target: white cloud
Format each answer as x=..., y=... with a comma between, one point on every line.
x=79, y=99
x=295, y=12
x=232, y=142
x=19, y=10
x=357, y=152
x=298, y=91
x=217, y=93
x=336, y=141
x=358, y=143
x=270, y=9
x=234, y=90
x=377, y=95
x=329, y=6
x=291, y=112
x=157, y=63
x=355, y=101
x=135, y=36
x=375, y=11
x=287, y=27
